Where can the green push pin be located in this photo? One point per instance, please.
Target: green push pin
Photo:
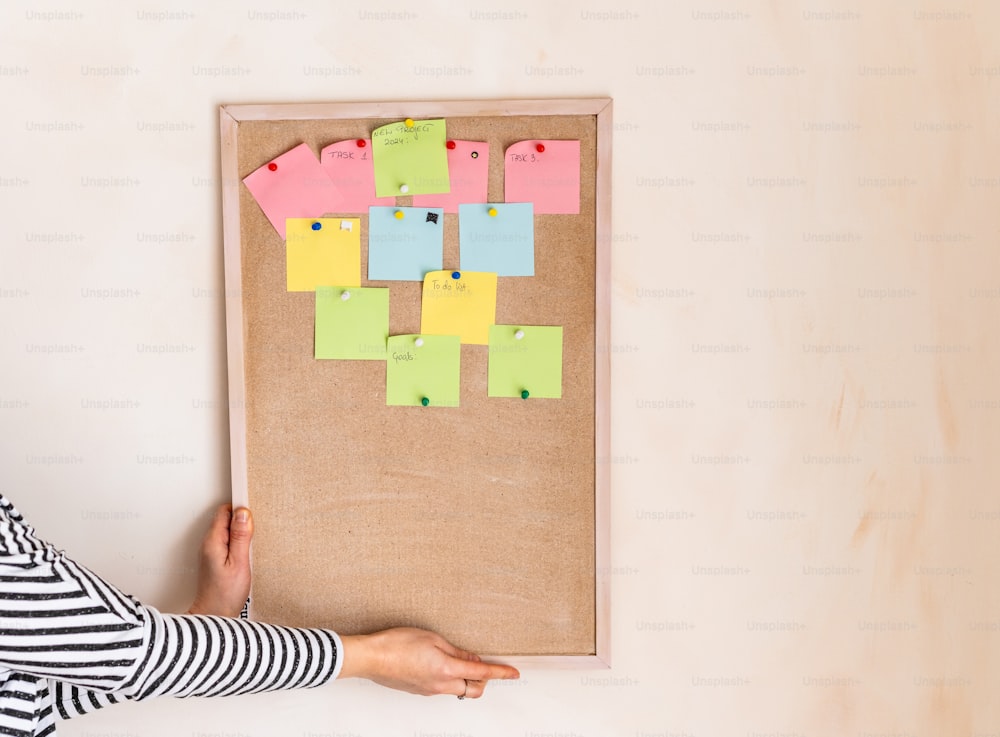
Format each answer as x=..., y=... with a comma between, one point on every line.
x=425, y=401
x=524, y=394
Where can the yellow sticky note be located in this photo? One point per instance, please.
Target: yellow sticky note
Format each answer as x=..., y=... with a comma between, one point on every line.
x=462, y=303
x=325, y=255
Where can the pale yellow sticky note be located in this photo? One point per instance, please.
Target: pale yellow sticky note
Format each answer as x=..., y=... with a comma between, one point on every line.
x=322, y=256
x=462, y=303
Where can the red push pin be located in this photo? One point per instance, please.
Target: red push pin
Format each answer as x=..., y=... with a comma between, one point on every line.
x=361, y=143
x=450, y=145
x=540, y=148
x=272, y=166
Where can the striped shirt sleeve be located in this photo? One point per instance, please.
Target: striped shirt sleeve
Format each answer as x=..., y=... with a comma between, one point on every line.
x=188, y=655
x=71, y=641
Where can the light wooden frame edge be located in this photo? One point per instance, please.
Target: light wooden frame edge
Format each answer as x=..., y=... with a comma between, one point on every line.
x=230, y=116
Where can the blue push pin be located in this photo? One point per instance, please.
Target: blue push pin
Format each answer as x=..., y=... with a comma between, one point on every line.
x=456, y=275
x=317, y=226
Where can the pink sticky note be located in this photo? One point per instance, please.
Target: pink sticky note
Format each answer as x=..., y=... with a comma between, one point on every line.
x=293, y=185
x=546, y=173
x=350, y=168
x=469, y=172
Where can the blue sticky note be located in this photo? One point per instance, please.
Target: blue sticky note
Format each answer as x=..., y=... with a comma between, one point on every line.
x=404, y=248
x=502, y=242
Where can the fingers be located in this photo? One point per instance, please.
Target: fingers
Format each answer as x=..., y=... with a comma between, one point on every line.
x=420, y=662
x=449, y=649
x=475, y=674
x=229, y=535
x=224, y=570
x=466, y=655
x=474, y=671
x=452, y=650
x=240, y=535
x=479, y=671
x=440, y=643
x=473, y=689
x=217, y=537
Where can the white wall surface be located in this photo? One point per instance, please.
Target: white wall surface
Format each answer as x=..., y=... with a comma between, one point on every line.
x=806, y=300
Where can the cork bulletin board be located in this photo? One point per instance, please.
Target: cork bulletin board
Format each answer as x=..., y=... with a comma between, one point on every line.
x=487, y=522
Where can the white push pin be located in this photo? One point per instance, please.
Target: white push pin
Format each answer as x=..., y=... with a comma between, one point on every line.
x=519, y=334
x=418, y=342
x=345, y=295
x=346, y=225
x=404, y=188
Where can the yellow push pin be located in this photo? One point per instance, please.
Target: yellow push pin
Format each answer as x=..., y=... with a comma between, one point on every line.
x=399, y=214
x=409, y=122
x=492, y=212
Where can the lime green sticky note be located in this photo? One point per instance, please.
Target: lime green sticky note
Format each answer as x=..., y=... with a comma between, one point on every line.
x=423, y=370
x=410, y=157
x=462, y=303
x=525, y=358
x=352, y=322
x=322, y=251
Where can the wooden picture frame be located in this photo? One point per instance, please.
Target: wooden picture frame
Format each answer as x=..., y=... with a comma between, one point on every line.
x=296, y=509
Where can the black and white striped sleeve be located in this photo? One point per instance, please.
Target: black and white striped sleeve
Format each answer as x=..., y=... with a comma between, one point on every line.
x=193, y=655
x=70, y=643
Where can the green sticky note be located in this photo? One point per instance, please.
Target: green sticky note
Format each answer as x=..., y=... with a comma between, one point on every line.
x=352, y=322
x=423, y=367
x=525, y=358
x=410, y=159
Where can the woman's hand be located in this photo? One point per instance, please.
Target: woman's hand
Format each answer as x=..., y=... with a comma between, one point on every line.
x=224, y=570
x=404, y=658
x=419, y=662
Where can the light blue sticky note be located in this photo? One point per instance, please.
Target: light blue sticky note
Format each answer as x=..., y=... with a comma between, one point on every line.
x=404, y=248
x=502, y=242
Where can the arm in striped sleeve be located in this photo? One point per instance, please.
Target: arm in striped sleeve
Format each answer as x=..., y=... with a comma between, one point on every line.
x=56, y=621
x=195, y=655
x=96, y=646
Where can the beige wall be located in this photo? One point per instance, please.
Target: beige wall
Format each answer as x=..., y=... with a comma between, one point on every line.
x=807, y=293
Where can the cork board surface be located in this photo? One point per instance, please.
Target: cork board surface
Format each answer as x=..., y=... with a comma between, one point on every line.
x=477, y=522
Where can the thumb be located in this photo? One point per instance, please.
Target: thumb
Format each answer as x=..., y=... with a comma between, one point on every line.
x=240, y=535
